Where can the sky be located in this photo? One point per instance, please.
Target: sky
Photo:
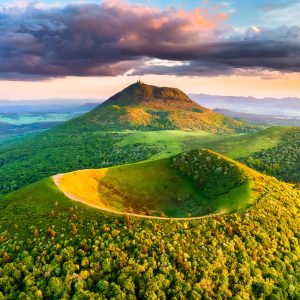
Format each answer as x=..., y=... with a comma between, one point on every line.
x=92, y=49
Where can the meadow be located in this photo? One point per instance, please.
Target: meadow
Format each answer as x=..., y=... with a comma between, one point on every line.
x=235, y=146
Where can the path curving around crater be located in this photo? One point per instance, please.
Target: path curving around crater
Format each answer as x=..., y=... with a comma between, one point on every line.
x=57, y=177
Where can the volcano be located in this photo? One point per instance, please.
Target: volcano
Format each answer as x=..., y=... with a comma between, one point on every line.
x=146, y=107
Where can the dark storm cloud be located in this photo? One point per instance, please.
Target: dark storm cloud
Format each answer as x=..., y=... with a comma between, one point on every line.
x=232, y=57
x=112, y=39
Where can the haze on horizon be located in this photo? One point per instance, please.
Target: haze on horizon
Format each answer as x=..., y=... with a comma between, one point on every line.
x=92, y=49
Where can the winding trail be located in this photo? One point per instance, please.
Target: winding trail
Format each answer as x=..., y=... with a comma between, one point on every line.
x=57, y=177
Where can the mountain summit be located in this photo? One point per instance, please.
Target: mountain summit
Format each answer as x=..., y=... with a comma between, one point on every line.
x=146, y=107
x=139, y=93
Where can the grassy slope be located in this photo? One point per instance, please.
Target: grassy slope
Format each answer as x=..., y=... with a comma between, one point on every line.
x=145, y=107
x=173, y=142
x=170, y=142
x=245, y=145
x=34, y=205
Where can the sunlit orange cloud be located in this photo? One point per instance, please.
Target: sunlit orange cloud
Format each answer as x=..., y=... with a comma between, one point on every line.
x=199, y=19
x=103, y=87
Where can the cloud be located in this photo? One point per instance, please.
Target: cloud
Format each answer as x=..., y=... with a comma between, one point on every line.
x=115, y=38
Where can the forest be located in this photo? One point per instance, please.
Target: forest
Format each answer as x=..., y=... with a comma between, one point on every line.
x=51, y=153
x=62, y=250
x=281, y=161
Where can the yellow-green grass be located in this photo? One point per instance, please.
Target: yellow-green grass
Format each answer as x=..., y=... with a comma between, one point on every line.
x=245, y=145
x=154, y=187
x=235, y=146
x=41, y=204
x=145, y=107
x=170, y=142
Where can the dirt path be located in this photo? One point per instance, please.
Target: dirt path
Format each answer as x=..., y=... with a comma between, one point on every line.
x=75, y=198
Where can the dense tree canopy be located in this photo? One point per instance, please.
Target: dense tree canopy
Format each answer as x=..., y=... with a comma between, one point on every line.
x=59, y=151
x=79, y=253
x=282, y=161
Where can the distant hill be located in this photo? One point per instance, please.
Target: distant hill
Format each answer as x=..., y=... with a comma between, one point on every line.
x=20, y=118
x=260, y=118
x=287, y=107
x=146, y=107
x=47, y=106
x=9, y=129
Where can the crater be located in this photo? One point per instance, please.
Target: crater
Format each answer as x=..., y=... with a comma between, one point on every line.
x=192, y=184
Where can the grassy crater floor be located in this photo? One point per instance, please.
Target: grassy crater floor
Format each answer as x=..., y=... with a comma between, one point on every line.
x=192, y=184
